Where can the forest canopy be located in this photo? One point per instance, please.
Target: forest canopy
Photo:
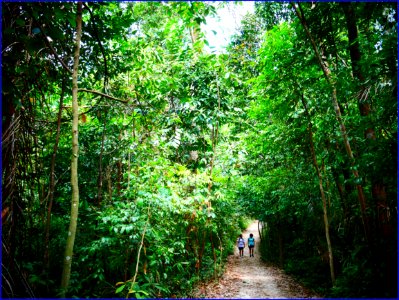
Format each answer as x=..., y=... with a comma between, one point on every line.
x=132, y=156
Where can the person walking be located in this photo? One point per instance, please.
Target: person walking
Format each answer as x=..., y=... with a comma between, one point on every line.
x=241, y=245
x=251, y=245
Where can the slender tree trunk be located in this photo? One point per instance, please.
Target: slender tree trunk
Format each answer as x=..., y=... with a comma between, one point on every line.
x=201, y=253
x=280, y=246
x=133, y=280
x=119, y=182
x=260, y=229
x=109, y=182
x=323, y=196
x=344, y=133
x=196, y=251
x=342, y=194
x=221, y=253
x=323, y=169
x=214, y=138
x=52, y=181
x=100, y=167
x=67, y=259
x=194, y=34
x=214, y=256
x=128, y=167
x=127, y=263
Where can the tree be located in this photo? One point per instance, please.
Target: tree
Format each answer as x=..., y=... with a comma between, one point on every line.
x=66, y=273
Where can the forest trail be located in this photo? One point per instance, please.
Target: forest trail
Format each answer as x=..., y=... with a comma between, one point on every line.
x=250, y=278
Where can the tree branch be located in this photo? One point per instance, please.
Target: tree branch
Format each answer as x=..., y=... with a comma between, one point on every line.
x=301, y=18
x=102, y=94
x=53, y=50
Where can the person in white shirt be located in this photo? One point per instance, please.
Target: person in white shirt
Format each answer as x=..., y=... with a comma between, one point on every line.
x=241, y=245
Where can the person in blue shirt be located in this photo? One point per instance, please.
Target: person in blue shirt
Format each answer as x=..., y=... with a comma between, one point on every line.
x=251, y=245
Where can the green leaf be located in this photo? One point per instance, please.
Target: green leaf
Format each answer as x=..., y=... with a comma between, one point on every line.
x=120, y=289
x=72, y=20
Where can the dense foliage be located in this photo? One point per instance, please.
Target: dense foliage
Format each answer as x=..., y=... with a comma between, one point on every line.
x=177, y=146
x=293, y=116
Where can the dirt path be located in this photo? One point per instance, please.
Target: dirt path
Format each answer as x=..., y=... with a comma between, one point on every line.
x=249, y=278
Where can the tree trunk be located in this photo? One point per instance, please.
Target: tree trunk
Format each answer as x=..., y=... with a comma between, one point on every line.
x=194, y=34
x=214, y=139
x=364, y=106
x=100, y=167
x=52, y=181
x=260, y=229
x=354, y=50
x=119, y=182
x=344, y=133
x=109, y=182
x=133, y=280
x=342, y=194
x=280, y=246
x=323, y=196
x=66, y=272
x=201, y=253
x=214, y=256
